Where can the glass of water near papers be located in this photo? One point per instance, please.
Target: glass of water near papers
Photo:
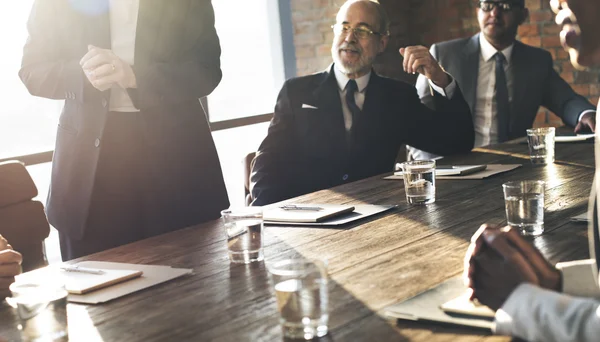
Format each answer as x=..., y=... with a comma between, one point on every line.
x=302, y=297
x=244, y=232
x=419, y=181
x=524, y=201
x=42, y=310
x=541, y=145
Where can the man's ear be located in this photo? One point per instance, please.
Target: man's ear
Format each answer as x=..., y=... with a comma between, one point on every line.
x=383, y=43
x=524, y=15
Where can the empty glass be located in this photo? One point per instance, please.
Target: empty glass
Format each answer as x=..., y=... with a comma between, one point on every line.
x=419, y=181
x=524, y=203
x=541, y=145
x=244, y=231
x=302, y=297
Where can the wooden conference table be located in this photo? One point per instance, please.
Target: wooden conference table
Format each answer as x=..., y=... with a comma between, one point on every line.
x=373, y=264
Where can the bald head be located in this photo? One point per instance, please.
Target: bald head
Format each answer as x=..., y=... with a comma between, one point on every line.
x=370, y=5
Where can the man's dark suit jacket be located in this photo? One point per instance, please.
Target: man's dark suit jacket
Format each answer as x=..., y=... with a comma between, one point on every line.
x=176, y=62
x=306, y=148
x=535, y=81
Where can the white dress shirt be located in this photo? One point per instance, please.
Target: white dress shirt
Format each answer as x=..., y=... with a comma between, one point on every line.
x=485, y=116
x=359, y=96
x=123, y=24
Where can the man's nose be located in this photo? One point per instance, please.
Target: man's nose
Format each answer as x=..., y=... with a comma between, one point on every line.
x=350, y=37
x=496, y=11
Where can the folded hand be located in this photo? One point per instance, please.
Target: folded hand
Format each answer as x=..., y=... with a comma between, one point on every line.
x=104, y=69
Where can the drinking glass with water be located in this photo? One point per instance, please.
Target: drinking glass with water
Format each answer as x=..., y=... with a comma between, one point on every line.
x=524, y=202
x=419, y=181
x=42, y=310
x=541, y=145
x=302, y=297
x=244, y=232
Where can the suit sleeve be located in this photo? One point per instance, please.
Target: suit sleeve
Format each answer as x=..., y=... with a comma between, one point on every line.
x=447, y=129
x=560, y=98
x=44, y=71
x=270, y=179
x=536, y=314
x=194, y=75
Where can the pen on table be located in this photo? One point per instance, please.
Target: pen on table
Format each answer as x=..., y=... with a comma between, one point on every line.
x=81, y=270
x=297, y=207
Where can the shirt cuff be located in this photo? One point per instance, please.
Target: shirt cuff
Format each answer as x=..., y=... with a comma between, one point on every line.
x=447, y=92
x=580, y=278
x=506, y=318
x=585, y=112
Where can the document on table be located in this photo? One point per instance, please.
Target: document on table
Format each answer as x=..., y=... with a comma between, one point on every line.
x=580, y=218
x=149, y=275
x=492, y=169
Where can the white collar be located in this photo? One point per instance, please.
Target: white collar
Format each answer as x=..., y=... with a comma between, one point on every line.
x=342, y=80
x=488, y=51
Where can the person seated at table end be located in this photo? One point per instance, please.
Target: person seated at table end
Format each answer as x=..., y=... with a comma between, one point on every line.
x=10, y=266
x=527, y=70
x=347, y=123
x=533, y=299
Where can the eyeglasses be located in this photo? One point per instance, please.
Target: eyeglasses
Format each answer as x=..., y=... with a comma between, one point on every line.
x=360, y=32
x=488, y=6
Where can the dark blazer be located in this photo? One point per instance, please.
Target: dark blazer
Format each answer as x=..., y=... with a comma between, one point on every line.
x=176, y=62
x=306, y=148
x=535, y=81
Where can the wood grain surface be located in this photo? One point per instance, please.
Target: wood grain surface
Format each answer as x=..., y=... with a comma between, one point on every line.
x=372, y=263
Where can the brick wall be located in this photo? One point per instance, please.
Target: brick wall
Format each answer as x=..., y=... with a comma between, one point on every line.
x=426, y=22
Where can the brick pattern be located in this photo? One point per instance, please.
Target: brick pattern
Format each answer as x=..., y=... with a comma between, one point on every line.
x=426, y=22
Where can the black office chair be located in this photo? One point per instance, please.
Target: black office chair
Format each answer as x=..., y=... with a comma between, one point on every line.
x=22, y=220
x=248, y=162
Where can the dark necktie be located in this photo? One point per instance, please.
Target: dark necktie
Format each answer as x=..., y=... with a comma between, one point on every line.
x=502, y=105
x=351, y=88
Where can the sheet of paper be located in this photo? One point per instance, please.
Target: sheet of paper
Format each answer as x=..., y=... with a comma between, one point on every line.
x=360, y=212
x=492, y=169
x=573, y=138
x=151, y=275
x=304, y=213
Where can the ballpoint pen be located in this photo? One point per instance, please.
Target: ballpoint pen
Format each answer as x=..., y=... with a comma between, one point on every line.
x=81, y=269
x=298, y=207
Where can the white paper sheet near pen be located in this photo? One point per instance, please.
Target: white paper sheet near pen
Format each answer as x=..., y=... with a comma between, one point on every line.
x=492, y=169
x=151, y=275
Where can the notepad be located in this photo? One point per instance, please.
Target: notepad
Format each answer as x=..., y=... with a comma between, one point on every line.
x=458, y=170
x=305, y=213
x=464, y=306
x=81, y=282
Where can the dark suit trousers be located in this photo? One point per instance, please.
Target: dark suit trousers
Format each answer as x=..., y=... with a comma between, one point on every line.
x=116, y=214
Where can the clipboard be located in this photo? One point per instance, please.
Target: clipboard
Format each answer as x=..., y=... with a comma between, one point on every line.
x=361, y=211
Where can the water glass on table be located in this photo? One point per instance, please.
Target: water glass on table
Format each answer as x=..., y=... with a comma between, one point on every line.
x=541, y=145
x=302, y=297
x=524, y=201
x=244, y=232
x=419, y=181
x=42, y=310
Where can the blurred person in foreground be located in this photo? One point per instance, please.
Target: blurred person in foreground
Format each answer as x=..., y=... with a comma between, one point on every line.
x=535, y=300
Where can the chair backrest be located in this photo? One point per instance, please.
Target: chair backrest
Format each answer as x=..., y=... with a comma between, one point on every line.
x=22, y=220
x=248, y=162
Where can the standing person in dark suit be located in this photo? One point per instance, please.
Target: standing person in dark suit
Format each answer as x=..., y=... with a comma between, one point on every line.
x=134, y=153
x=347, y=123
x=505, y=109
x=535, y=300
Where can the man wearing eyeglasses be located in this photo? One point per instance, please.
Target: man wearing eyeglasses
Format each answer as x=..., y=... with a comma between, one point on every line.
x=347, y=123
x=535, y=300
x=505, y=81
